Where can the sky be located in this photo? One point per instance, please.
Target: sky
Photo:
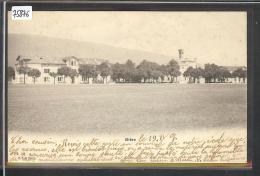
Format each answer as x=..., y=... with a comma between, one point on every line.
x=211, y=37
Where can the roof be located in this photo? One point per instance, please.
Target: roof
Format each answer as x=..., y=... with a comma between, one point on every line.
x=93, y=61
x=59, y=60
x=186, y=60
x=40, y=60
x=233, y=68
x=69, y=57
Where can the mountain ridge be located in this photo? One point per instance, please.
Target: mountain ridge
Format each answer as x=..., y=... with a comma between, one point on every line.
x=37, y=45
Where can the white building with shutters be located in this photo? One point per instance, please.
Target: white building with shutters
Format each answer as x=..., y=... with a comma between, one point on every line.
x=46, y=65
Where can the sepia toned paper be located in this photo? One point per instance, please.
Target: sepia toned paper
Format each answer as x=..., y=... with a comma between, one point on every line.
x=127, y=87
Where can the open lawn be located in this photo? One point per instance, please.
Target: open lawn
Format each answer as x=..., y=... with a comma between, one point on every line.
x=123, y=108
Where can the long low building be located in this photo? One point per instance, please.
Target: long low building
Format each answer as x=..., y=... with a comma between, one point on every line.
x=47, y=65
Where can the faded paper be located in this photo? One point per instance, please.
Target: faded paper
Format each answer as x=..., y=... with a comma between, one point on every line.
x=127, y=122
x=217, y=147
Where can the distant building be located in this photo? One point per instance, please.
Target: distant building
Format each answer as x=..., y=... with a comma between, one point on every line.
x=46, y=65
x=185, y=63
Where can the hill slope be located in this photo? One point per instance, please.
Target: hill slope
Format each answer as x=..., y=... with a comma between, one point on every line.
x=23, y=44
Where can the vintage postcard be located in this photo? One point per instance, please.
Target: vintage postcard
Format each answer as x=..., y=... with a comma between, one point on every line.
x=127, y=87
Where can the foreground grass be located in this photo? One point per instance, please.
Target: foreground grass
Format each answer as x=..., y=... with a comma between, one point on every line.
x=121, y=108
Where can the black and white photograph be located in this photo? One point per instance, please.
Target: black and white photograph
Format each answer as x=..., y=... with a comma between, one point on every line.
x=127, y=87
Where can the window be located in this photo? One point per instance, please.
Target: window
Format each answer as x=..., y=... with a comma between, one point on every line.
x=73, y=63
x=46, y=70
x=84, y=79
x=59, y=79
x=46, y=79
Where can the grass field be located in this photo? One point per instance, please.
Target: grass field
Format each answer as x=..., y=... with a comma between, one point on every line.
x=123, y=108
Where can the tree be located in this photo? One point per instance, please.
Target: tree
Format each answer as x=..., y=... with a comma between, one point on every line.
x=34, y=73
x=95, y=73
x=105, y=70
x=118, y=72
x=129, y=68
x=73, y=73
x=54, y=75
x=208, y=73
x=136, y=76
x=11, y=73
x=223, y=73
x=87, y=71
x=67, y=72
x=163, y=70
x=146, y=70
x=23, y=70
x=211, y=71
x=189, y=74
x=215, y=72
x=64, y=71
x=173, y=69
x=194, y=74
x=156, y=74
x=197, y=74
x=240, y=73
x=143, y=70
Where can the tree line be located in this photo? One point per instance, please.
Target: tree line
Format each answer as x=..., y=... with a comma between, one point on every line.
x=145, y=72
x=214, y=73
